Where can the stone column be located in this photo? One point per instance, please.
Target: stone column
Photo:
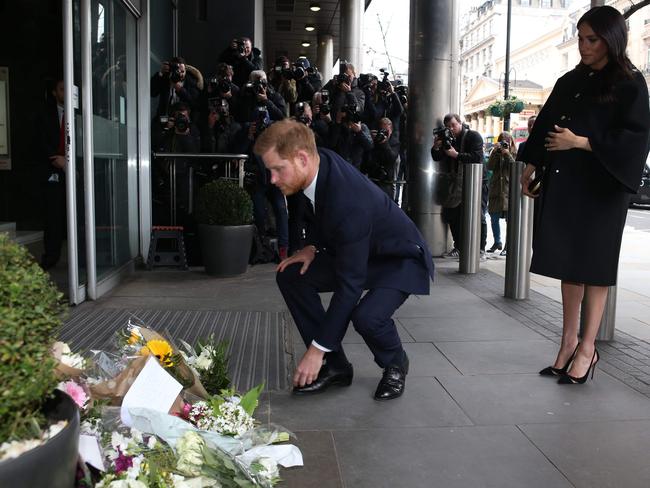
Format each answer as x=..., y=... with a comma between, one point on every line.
x=351, y=29
x=325, y=56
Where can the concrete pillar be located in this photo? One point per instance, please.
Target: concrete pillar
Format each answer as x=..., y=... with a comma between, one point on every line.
x=325, y=56
x=431, y=97
x=351, y=29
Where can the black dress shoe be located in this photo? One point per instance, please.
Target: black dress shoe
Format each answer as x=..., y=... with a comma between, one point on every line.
x=392, y=382
x=327, y=376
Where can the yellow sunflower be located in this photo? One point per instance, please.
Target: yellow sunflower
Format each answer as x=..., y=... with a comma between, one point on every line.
x=161, y=349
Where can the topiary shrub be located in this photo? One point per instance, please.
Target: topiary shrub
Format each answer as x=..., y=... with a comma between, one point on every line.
x=31, y=311
x=223, y=202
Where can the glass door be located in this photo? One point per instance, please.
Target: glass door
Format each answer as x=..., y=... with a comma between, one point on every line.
x=114, y=121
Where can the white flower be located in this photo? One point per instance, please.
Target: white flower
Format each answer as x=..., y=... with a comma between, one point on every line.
x=200, y=482
x=134, y=471
x=269, y=468
x=118, y=441
x=190, y=453
x=151, y=443
x=203, y=363
x=126, y=484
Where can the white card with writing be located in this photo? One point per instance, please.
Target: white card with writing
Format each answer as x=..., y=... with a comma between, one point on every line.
x=90, y=452
x=153, y=388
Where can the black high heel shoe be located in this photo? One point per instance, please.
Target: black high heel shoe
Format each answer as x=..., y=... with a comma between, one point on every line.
x=567, y=379
x=551, y=371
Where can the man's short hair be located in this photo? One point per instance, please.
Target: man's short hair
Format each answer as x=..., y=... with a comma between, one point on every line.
x=448, y=117
x=257, y=74
x=177, y=60
x=224, y=70
x=387, y=121
x=286, y=137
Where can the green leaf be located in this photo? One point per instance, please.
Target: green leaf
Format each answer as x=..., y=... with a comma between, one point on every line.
x=249, y=400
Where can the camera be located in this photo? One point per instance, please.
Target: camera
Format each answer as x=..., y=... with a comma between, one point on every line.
x=384, y=85
x=181, y=122
x=366, y=79
x=447, y=137
x=382, y=136
x=351, y=112
x=325, y=108
x=239, y=47
x=402, y=92
x=219, y=85
x=261, y=119
x=300, y=113
x=256, y=87
x=175, y=72
x=504, y=144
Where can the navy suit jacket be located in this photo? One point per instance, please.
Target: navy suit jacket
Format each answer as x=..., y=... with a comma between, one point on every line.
x=373, y=242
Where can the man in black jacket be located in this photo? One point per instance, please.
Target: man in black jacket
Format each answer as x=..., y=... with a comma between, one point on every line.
x=383, y=164
x=51, y=129
x=243, y=57
x=467, y=147
x=173, y=85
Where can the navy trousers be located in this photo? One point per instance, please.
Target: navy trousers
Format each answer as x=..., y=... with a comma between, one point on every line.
x=371, y=317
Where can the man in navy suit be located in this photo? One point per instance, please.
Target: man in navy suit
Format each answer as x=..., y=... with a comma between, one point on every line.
x=358, y=239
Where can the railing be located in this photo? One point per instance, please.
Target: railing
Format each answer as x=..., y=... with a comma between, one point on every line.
x=238, y=159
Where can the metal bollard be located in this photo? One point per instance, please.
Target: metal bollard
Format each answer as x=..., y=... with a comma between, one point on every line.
x=608, y=322
x=471, y=225
x=519, y=237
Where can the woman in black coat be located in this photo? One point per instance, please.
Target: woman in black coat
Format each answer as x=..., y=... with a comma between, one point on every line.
x=592, y=139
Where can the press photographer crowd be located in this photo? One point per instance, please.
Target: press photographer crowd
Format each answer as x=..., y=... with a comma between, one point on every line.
x=362, y=117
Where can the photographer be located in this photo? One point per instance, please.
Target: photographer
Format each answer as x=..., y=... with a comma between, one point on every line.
x=453, y=145
x=343, y=86
x=499, y=162
x=220, y=86
x=243, y=57
x=283, y=82
x=257, y=93
x=383, y=165
x=387, y=104
x=222, y=134
x=306, y=76
x=177, y=135
x=176, y=82
x=348, y=136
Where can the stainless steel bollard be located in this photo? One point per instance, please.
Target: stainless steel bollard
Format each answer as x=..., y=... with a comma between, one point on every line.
x=519, y=237
x=608, y=322
x=471, y=225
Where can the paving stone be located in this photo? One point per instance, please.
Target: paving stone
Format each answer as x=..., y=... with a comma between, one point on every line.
x=321, y=469
x=593, y=455
x=464, y=457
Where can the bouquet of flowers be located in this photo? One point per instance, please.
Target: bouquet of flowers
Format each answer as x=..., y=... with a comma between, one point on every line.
x=227, y=414
x=210, y=364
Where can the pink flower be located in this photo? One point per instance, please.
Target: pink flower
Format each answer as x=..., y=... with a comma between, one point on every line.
x=76, y=392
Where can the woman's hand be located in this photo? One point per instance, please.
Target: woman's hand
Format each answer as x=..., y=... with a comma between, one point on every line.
x=526, y=178
x=562, y=139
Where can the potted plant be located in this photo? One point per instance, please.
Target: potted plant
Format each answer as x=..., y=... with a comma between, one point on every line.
x=224, y=212
x=503, y=108
x=31, y=312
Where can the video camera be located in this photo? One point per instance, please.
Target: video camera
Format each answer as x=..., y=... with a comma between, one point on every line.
x=403, y=93
x=445, y=134
x=175, y=72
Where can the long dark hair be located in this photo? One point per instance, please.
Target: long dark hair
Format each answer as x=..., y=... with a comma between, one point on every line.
x=609, y=24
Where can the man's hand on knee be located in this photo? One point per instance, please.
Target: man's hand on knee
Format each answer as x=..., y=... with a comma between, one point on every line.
x=309, y=366
x=305, y=256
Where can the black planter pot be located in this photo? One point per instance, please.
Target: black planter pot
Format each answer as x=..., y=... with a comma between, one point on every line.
x=53, y=464
x=225, y=249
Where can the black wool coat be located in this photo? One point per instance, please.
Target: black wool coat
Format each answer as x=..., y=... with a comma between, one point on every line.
x=581, y=214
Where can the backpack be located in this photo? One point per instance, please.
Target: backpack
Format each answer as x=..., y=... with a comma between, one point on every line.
x=262, y=251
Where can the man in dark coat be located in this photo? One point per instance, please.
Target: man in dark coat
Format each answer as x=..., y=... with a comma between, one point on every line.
x=244, y=59
x=173, y=85
x=51, y=129
x=467, y=147
x=359, y=240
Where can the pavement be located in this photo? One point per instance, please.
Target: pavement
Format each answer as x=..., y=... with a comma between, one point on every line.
x=475, y=412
